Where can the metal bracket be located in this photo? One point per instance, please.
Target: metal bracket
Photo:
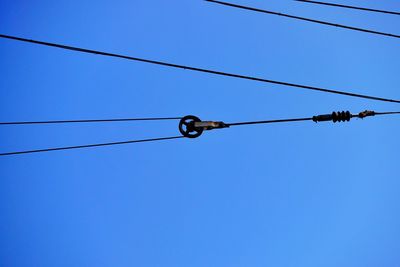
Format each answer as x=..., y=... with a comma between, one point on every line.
x=209, y=125
x=192, y=127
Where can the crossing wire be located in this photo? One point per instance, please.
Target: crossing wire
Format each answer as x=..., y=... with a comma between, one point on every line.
x=350, y=7
x=215, y=72
x=88, y=121
x=304, y=19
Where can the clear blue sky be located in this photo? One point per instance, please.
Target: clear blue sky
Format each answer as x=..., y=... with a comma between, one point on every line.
x=300, y=194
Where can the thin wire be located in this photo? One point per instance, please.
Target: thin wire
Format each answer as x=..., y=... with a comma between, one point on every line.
x=305, y=19
x=351, y=7
x=88, y=121
x=387, y=113
x=268, y=121
x=88, y=146
x=200, y=69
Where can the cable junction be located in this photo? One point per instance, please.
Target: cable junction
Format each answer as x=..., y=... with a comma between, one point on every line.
x=350, y=7
x=209, y=71
x=304, y=19
x=192, y=127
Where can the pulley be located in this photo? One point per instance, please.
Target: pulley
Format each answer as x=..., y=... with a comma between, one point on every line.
x=191, y=126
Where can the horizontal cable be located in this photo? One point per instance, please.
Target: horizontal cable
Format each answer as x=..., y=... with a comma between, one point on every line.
x=387, y=113
x=315, y=118
x=268, y=121
x=88, y=121
x=88, y=146
x=350, y=7
x=200, y=69
x=305, y=19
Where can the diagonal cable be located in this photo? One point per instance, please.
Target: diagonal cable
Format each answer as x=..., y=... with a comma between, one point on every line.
x=89, y=146
x=304, y=19
x=350, y=7
x=172, y=65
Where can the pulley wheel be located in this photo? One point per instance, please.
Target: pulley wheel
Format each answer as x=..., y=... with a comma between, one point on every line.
x=187, y=129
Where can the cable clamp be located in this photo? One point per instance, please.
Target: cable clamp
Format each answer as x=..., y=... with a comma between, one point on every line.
x=366, y=113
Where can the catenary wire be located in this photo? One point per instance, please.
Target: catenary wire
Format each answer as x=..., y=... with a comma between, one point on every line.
x=200, y=69
x=350, y=7
x=88, y=121
x=304, y=19
x=89, y=146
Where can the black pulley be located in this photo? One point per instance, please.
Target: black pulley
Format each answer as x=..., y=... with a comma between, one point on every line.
x=187, y=126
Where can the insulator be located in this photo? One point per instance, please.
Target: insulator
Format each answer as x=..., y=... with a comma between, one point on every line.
x=334, y=116
x=341, y=116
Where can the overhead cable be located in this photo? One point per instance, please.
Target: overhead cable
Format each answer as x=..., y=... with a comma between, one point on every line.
x=192, y=127
x=88, y=121
x=350, y=7
x=304, y=19
x=89, y=146
x=387, y=113
x=83, y=50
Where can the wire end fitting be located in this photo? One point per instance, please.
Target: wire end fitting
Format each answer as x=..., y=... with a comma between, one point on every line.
x=366, y=113
x=191, y=126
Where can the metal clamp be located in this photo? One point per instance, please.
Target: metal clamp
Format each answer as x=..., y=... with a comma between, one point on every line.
x=192, y=127
x=366, y=113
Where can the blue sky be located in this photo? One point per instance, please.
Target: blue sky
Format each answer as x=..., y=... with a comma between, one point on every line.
x=299, y=194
